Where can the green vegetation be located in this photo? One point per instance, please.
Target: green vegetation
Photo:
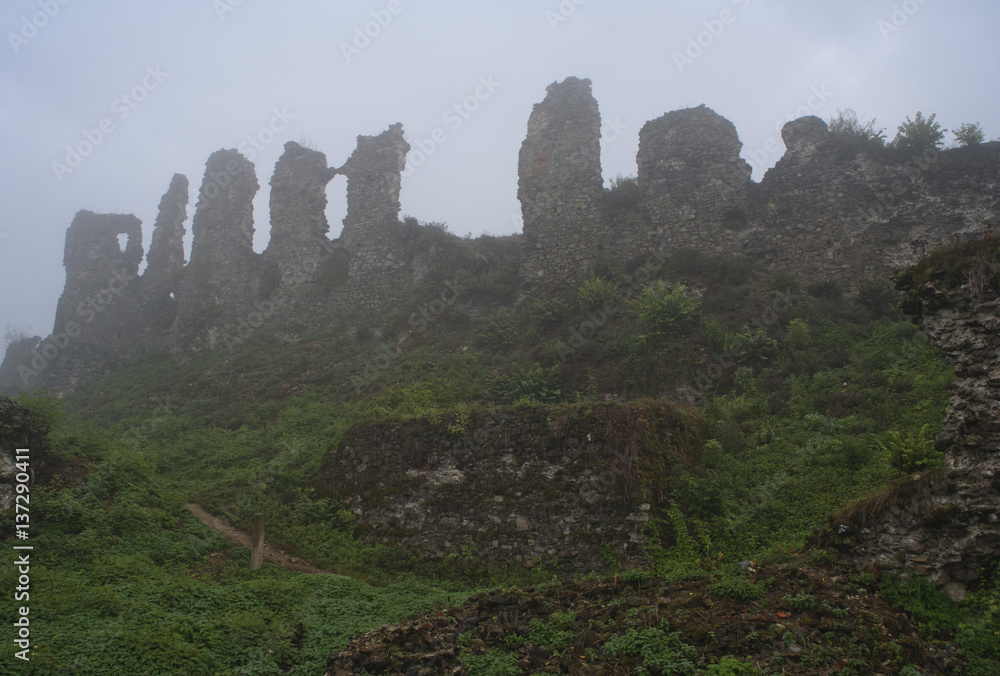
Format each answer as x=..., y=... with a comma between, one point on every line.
x=813, y=399
x=919, y=134
x=125, y=581
x=660, y=650
x=969, y=134
x=847, y=124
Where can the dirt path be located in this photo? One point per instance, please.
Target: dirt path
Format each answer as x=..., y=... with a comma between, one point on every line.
x=238, y=537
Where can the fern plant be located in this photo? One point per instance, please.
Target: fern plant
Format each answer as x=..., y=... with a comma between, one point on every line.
x=911, y=453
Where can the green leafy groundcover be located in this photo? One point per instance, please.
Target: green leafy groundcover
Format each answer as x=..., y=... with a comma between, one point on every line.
x=813, y=399
x=124, y=581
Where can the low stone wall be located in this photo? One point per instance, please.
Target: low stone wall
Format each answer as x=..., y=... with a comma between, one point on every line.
x=573, y=487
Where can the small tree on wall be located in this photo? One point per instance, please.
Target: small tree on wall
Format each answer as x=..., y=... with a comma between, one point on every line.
x=919, y=134
x=969, y=134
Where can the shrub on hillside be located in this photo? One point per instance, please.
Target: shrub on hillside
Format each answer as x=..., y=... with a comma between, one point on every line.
x=665, y=310
x=878, y=297
x=594, y=293
x=825, y=288
x=911, y=453
x=625, y=194
x=969, y=134
x=919, y=134
x=846, y=123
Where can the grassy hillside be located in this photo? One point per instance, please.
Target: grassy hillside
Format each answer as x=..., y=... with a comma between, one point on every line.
x=813, y=399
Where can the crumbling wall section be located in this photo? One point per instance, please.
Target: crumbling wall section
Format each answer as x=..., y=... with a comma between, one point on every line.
x=99, y=309
x=552, y=485
x=298, y=213
x=945, y=526
x=379, y=273
x=225, y=277
x=161, y=280
x=696, y=187
x=830, y=209
x=560, y=186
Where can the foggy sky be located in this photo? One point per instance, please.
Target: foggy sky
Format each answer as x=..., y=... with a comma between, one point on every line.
x=155, y=88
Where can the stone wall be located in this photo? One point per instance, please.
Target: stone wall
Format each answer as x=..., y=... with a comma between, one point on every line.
x=945, y=526
x=299, y=227
x=829, y=208
x=378, y=260
x=560, y=186
x=161, y=280
x=694, y=182
x=571, y=487
x=99, y=311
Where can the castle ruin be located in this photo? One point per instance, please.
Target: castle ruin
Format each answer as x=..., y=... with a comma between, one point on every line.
x=827, y=209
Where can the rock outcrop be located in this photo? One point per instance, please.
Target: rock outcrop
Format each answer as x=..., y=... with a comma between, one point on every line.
x=946, y=525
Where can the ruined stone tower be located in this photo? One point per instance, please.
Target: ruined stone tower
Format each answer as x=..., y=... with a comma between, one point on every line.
x=99, y=305
x=298, y=213
x=373, y=174
x=371, y=236
x=694, y=181
x=224, y=275
x=560, y=185
x=165, y=261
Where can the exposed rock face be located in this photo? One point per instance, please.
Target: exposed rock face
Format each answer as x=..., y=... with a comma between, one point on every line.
x=694, y=180
x=298, y=213
x=947, y=526
x=165, y=260
x=538, y=484
x=560, y=185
